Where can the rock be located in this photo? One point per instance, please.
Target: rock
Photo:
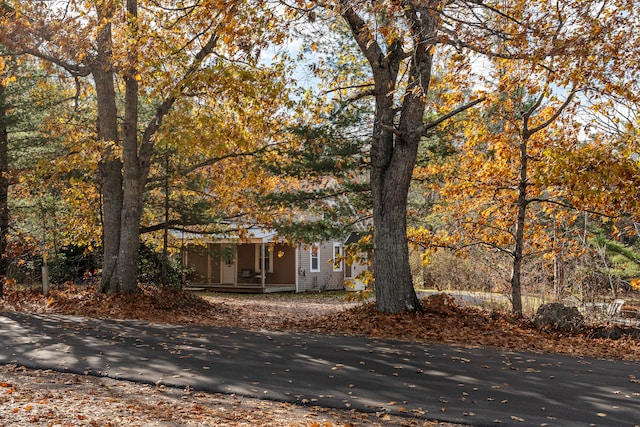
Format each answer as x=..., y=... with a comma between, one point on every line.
x=556, y=315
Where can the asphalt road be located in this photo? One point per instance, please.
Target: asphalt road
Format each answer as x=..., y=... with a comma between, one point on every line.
x=475, y=386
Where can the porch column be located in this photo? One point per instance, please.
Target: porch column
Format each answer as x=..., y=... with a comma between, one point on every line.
x=263, y=276
x=297, y=255
x=209, y=248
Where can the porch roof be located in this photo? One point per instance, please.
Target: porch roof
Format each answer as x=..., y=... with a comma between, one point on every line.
x=248, y=235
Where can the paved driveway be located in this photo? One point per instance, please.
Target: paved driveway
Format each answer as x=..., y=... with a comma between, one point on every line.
x=475, y=386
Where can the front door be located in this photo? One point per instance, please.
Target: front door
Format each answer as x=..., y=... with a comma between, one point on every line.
x=228, y=265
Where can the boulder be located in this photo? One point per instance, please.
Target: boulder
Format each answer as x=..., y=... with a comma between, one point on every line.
x=556, y=315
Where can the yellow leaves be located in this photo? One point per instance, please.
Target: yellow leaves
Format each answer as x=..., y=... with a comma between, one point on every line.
x=635, y=284
x=6, y=81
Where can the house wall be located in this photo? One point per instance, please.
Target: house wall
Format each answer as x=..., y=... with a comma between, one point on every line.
x=196, y=257
x=326, y=278
x=214, y=260
x=284, y=267
x=246, y=261
x=351, y=274
x=207, y=263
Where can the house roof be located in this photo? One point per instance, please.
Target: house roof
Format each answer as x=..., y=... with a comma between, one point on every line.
x=249, y=235
x=354, y=237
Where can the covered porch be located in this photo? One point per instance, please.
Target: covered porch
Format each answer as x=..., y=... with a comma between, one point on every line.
x=255, y=265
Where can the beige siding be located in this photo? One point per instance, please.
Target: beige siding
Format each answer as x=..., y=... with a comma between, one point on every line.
x=326, y=278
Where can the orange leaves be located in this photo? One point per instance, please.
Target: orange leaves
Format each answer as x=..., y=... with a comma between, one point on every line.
x=150, y=303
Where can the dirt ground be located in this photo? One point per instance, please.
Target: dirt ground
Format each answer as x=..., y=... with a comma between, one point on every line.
x=53, y=399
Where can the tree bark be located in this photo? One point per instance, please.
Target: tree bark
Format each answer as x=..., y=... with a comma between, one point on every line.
x=133, y=180
x=4, y=189
x=521, y=215
x=395, y=140
x=130, y=175
x=110, y=166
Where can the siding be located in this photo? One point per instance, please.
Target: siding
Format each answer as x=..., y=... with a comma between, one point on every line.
x=246, y=261
x=284, y=267
x=198, y=261
x=326, y=278
x=214, y=248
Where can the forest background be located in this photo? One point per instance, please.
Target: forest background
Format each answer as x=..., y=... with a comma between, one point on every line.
x=482, y=146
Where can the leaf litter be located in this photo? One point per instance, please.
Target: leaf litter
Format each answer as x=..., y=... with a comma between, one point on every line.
x=50, y=398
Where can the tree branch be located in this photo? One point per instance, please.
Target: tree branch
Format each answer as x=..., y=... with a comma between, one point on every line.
x=424, y=130
x=571, y=207
x=555, y=115
x=146, y=147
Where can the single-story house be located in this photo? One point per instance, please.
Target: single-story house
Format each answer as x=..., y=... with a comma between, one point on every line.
x=353, y=273
x=261, y=263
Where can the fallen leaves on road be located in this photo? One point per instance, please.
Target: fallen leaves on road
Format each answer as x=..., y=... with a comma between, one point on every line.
x=442, y=320
x=47, y=398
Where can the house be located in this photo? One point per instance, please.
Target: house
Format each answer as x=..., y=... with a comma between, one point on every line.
x=261, y=263
x=355, y=271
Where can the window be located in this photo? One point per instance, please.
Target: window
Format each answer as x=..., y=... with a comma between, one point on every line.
x=315, y=257
x=337, y=257
x=267, y=251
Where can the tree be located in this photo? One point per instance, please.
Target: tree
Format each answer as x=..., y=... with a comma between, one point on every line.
x=139, y=48
x=525, y=166
x=26, y=98
x=4, y=169
x=323, y=192
x=491, y=183
x=216, y=183
x=398, y=39
x=405, y=41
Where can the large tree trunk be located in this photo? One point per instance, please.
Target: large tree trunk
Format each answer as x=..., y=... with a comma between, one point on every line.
x=133, y=183
x=393, y=281
x=110, y=167
x=4, y=189
x=396, y=135
x=123, y=181
x=393, y=156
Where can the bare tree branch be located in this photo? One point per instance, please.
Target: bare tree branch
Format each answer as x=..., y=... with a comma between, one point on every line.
x=424, y=130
